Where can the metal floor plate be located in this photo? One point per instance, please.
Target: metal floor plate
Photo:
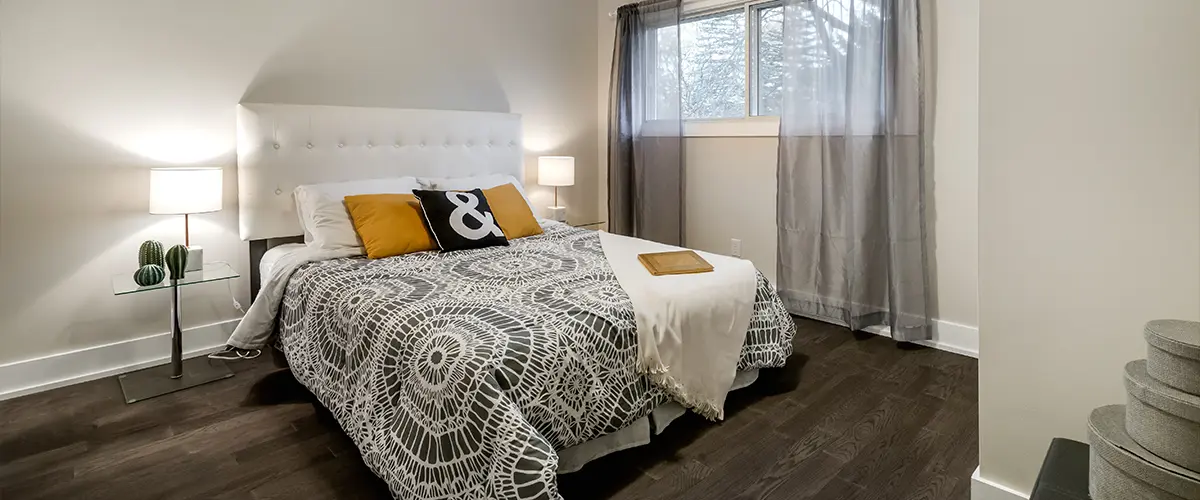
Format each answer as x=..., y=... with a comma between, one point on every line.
x=156, y=381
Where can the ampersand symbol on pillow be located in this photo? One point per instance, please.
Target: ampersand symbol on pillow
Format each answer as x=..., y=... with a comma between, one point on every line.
x=465, y=204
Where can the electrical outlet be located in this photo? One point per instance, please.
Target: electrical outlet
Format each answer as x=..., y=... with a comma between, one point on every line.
x=735, y=247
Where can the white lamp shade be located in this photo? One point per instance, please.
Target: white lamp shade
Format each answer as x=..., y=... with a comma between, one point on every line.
x=175, y=191
x=556, y=171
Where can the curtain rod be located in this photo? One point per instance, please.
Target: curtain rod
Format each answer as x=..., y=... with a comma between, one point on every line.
x=706, y=4
x=613, y=14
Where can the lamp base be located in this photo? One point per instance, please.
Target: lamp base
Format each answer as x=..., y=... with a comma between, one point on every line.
x=556, y=213
x=195, y=259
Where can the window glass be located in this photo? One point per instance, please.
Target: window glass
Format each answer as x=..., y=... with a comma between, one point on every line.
x=713, y=66
x=770, y=61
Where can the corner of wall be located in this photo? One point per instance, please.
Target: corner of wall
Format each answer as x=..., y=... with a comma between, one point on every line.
x=985, y=489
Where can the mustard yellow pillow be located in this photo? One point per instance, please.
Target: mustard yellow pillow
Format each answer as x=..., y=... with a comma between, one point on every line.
x=512, y=212
x=389, y=224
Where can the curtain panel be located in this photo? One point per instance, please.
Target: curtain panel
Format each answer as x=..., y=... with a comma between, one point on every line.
x=645, y=135
x=851, y=200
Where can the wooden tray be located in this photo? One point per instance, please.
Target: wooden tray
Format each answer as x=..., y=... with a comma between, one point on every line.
x=681, y=262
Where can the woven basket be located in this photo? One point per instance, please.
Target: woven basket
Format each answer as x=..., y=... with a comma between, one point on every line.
x=1174, y=353
x=1123, y=470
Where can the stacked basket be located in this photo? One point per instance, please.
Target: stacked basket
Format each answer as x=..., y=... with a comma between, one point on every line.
x=1150, y=448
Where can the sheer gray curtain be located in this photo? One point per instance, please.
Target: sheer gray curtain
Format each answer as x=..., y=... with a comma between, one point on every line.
x=645, y=146
x=852, y=235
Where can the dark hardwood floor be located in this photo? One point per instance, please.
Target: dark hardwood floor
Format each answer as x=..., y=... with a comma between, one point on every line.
x=853, y=416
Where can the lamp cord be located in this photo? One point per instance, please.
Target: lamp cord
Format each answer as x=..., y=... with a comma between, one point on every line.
x=229, y=286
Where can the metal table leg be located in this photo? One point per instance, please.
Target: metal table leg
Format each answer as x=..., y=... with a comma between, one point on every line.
x=177, y=375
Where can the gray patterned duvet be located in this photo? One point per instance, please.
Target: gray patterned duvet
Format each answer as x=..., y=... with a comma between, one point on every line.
x=458, y=375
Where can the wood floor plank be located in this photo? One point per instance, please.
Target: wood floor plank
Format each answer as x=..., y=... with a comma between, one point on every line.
x=853, y=417
x=895, y=445
x=807, y=479
x=895, y=476
x=779, y=461
x=944, y=465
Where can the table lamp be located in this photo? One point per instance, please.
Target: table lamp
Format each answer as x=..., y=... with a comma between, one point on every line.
x=186, y=191
x=556, y=171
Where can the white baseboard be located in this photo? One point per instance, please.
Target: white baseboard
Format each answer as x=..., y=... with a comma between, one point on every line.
x=983, y=489
x=60, y=370
x=947, y=336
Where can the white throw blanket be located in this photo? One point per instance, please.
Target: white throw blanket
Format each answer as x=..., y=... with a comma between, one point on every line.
x=256, y=327
x=690, y=327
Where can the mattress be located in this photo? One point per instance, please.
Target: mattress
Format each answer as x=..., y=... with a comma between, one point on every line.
x=462, y=374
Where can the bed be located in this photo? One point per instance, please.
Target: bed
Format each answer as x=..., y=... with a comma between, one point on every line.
x=471, y=374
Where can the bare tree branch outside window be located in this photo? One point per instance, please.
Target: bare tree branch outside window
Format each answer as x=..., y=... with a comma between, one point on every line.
x=714, y=66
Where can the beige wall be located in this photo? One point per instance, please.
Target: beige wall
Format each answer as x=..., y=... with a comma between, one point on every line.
x=1089, y=209
x=731, y=194
x=955, y=160
x=94, y=93
x=605, y=33
x=731, y=180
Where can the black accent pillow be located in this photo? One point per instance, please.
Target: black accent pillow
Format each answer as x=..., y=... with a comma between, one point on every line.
x=460, y=220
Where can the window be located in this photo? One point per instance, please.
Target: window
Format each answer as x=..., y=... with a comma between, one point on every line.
x=726, y=61
x=730, y=64
x=713, y=64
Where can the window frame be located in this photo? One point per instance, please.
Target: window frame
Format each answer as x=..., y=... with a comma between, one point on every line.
x=750, y=124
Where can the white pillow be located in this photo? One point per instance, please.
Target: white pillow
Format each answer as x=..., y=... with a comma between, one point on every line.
x=323, y=213
x=477, y=181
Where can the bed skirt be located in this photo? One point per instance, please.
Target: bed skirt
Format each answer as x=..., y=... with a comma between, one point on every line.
x=636, y=434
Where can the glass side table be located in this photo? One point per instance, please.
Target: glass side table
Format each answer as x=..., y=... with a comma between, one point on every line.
x=179, y=374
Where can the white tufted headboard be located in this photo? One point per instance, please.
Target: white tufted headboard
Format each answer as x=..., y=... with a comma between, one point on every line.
x=281, y=146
